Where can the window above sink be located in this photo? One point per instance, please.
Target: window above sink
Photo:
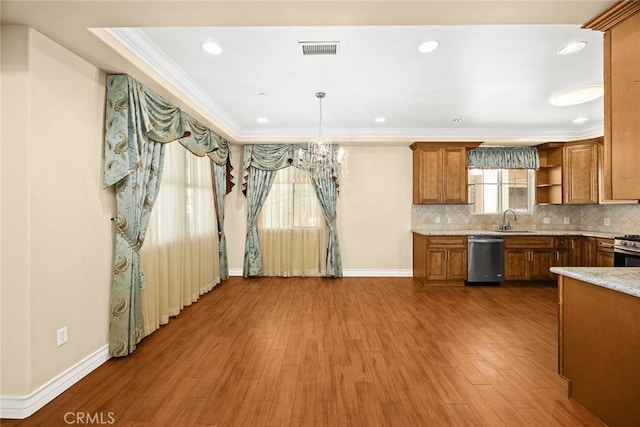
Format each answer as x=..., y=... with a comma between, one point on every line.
x=492, y=191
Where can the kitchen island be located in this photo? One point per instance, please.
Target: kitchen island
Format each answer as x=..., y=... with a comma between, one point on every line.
x=599, y=340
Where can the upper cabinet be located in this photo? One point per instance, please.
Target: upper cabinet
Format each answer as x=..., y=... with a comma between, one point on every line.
x=440, y=172
x=580, y=173
x=568, y=173
x=621, y=26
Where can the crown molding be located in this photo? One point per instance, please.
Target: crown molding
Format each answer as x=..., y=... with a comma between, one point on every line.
x=138, y=43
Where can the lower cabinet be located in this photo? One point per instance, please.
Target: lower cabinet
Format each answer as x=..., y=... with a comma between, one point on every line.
x=440, y=260
x=604, y=252
x=597, y=252
x=529, y=264
x=530, y=258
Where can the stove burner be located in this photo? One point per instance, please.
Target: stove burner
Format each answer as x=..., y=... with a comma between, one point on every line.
x=632, y=237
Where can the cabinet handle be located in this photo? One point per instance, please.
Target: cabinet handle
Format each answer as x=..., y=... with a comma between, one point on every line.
x=558, y=256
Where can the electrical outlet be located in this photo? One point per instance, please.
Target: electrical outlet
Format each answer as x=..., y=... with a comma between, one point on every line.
x=607, y=221
x=449, y=220
x=437, y=220
x=61, y=336
x=546, y=220
x=567, y=220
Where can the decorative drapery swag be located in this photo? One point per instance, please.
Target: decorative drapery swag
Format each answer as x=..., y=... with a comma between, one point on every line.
x=259, y=165
x=137, y=124
x=504, y=158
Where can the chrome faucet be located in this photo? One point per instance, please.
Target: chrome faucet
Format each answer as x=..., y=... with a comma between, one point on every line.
x=507, y=225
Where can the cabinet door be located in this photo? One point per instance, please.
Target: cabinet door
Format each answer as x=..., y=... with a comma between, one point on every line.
x=576, y=252
x=541, y=260
x=589, y=252
x=623, y=100
x=419, y=256
x=457, y=264
x=515, y=264
x=454, y=178
x=561, y=258
x=581, y=174
x=436, y=264
x=427, y=175
x=604, y=259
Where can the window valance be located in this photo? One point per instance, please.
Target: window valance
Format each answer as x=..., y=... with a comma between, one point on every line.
x=504, y=158
x=272, y=157
x=161, y=122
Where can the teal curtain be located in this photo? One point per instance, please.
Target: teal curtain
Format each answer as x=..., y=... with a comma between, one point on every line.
x=258, y=186
x=504, y=158
x=327, y=192
x=258, y=172
x=221, y=187
x=137, y=124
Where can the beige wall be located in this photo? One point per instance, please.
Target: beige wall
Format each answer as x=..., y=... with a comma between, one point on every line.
x=56, y=233
x=374, y=211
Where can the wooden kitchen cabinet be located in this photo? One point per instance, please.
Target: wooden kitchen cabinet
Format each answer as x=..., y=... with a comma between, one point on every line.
x=621, y=26
x=572, y=248
x=604, y=252
x=569, y=172
x=580, y=173
x=589, y=252
x=440, y=260
x=549, y=176
x=529, y=258
x=440, y=172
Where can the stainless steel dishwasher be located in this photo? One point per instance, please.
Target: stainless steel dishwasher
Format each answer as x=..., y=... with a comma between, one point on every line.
x=485, y=258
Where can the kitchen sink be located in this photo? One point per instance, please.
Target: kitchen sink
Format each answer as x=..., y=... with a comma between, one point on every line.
x=513, y=231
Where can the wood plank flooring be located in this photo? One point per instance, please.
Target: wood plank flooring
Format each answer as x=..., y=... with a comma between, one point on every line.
x=338, y=352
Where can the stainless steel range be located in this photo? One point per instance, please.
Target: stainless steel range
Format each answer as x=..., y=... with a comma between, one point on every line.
x=626, y=251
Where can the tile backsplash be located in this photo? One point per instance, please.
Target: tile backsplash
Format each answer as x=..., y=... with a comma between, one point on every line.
x=622, y=219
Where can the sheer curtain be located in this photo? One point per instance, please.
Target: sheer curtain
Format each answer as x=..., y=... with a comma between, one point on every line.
x=291, y=226
x=180, y=255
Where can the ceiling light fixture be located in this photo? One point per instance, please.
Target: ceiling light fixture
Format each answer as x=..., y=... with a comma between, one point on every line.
x=579, y=120
x=212, y=48
x=380, y=120
x=263, y=120
x=577, y=96
x=428, y=46
x=319, y=151
x=458, y=120
x=572, y=48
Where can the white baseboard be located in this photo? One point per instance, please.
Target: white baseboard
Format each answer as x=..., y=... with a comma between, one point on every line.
x=20, y=407
x=354, y=272
x=359, y=272
x=235, y=272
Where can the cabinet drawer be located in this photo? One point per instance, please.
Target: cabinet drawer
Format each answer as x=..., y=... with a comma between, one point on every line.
x=528, y=242
x=561, y=242
x=604, y=245
x=447, y=241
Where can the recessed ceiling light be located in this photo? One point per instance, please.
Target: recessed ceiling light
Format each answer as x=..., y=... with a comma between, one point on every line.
x=428, y=46
x=380, y=119
x=212, y=48
x=262, y=94
x=572, y=48
x=263, y=120
x=458, y=120
x=579, y=120
x=577, y=96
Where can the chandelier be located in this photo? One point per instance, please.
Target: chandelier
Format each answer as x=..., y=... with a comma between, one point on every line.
x=320, y=153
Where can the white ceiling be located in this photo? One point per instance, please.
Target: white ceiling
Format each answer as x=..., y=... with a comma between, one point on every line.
x=497, y=77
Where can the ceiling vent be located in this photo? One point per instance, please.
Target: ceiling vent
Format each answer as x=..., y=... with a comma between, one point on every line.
x=319, y=48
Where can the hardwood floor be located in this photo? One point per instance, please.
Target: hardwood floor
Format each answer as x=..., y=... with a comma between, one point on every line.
x=343, y=352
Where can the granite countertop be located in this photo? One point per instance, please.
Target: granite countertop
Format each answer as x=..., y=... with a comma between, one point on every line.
x=621, y=279
x=516, y=233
